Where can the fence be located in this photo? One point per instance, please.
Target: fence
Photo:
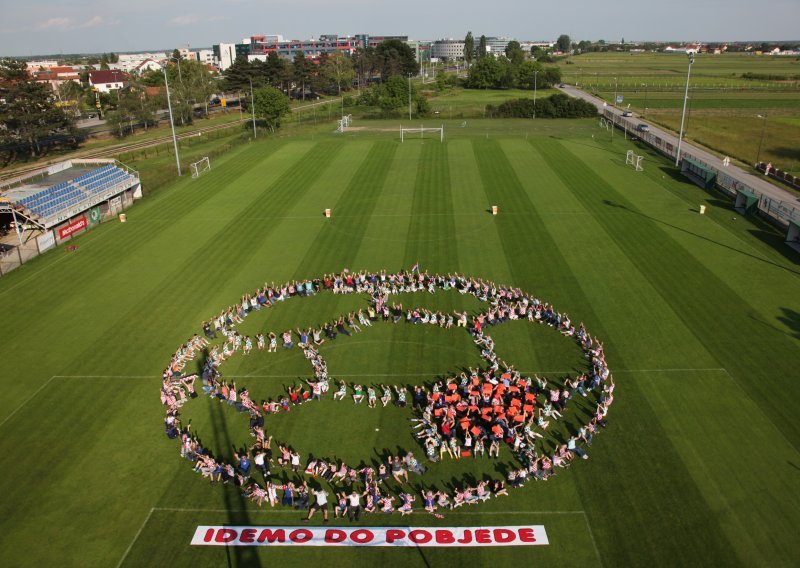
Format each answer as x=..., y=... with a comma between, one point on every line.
x=778, y=212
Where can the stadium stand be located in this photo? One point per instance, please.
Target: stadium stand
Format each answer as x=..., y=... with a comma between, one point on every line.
x=50, y=201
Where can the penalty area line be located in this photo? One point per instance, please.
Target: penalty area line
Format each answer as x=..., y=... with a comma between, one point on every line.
x=136, y=537
x=27, y=400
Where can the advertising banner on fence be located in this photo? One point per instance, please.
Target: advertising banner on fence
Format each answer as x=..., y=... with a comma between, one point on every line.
x=74, y=227
x=526, y=535
x=46, y=241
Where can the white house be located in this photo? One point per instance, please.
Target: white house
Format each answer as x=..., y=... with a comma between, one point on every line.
x=147, y=65
x=107, y=80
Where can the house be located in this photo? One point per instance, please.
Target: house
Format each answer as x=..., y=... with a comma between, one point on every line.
x=107, y=80
x=147, y=65
x=57, y=76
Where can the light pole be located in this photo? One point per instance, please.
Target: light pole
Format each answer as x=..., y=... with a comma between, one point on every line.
x=683, y=114
x=172, y=122
x=646, y=88
x=409, y=96
x=535, y=73
x=761, y=141
x=615, y=92
x=253, y=108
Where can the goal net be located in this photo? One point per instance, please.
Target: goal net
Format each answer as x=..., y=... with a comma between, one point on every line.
x=200, y=166
x=344, y=122
x=635, y=160
x=404, y=132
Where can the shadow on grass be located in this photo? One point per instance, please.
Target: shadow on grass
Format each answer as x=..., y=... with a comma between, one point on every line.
x=235, y=502
x=791, y=319
x=728, y=247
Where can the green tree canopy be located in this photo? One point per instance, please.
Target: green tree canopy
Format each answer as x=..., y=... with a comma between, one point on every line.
x=481, y=47
x=30, y=121
x=515, y=53
x=563, y=43
x=469, y=48
x=337, y=73
x=395, y=58
x=270, y=106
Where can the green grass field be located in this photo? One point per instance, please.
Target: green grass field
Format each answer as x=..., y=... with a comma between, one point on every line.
x=700, y=316
x=724, y=108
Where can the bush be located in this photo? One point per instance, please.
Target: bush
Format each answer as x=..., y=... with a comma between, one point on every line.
x=558, y=105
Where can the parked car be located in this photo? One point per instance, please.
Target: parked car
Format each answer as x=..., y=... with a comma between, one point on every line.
x=643, y=127
x=627, y=113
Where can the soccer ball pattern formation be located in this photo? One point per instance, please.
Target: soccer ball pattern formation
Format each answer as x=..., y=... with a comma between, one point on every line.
x=466, y=414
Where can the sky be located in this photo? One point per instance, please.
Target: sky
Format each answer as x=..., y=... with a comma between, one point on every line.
x=35, y=27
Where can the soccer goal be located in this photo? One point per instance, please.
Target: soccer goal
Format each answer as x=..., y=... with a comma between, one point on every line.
x=344, y=122
x=634, y=160
x=421, y=130
x=200, y=167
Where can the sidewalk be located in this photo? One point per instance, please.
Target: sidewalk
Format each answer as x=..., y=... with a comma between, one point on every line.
x=757, y=182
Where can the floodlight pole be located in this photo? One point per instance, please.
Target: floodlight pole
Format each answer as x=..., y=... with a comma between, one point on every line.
x=172, y=122
x=253, y=108
x=683, y=114
x=761, y=141
x=646, y=88
x=409, y=96
x=535, y=73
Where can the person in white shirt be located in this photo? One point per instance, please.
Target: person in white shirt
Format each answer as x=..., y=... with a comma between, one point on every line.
x=321, y=503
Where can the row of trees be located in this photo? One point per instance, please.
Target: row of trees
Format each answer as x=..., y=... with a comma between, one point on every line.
x=330, y=73
x=31, y=123
x=505, y=73
x=557, y=105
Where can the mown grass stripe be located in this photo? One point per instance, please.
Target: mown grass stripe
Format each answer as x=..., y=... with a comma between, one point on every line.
x=716, y=315
x=527, y=243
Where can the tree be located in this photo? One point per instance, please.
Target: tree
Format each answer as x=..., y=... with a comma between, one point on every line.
x=481, y=47
x=238, y=75
x=514, y=53
x=30, y=121
x=270, y=106
x=277, y=71
x=469, y=48
x=301, y=71
x=528, y=75
x=336, y=71
x=487, y=73
x=563, y=43
x=395, y=58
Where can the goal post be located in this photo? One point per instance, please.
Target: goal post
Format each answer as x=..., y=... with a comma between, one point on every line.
x=421, y=131
x=200, y=166
x=633, y=159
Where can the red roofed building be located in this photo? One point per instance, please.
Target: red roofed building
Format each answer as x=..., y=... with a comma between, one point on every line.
x=107, y=80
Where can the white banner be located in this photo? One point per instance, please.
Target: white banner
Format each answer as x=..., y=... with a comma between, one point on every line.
x=527, y=535
x=46, y=241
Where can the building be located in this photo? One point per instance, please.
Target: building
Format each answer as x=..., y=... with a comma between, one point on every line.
x=147, y=65
x=206, y=56
x=42, y=64
x=226, y=53
x=448, y=49
x=311, y=48
x=108, y=80
x=497, y=45
x=57, y=76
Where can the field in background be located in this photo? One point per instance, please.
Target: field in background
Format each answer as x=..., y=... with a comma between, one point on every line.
x=725, y=111
x=699, y=315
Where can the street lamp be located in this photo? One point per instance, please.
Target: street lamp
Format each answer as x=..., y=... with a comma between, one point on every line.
x=761, y=141
x=615, y=92
x=683, y=114
x=172, y=122
x=645, y=99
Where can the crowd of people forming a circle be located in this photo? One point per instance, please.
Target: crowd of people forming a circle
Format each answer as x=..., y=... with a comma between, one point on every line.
x=469, y=415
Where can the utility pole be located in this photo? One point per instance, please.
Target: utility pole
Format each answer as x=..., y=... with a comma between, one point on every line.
x=683, y=114
x=409, y=96
x=172, y=122
x=535, y=74
x=253, y=108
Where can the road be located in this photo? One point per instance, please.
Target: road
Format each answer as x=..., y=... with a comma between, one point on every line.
x=757, y=182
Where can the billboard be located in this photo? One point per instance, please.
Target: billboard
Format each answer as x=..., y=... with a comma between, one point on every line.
x=76, y=226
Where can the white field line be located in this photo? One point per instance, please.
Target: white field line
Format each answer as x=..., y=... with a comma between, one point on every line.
x=591, y=535
x=136, y=537
x=27, y=400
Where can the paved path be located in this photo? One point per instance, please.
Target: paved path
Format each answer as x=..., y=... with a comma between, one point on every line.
x=757, y=182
